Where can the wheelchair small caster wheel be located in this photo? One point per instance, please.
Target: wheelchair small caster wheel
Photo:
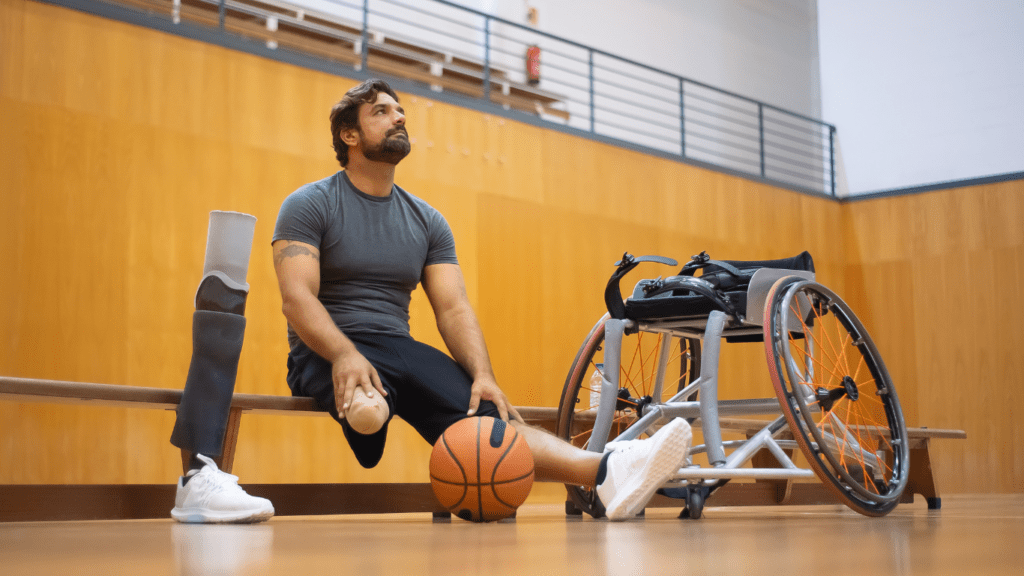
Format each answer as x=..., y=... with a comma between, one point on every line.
x=695, y=503
x=572, y=510
x=694, y=506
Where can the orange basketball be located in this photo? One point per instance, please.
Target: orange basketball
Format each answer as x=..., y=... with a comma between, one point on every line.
x=481, y=469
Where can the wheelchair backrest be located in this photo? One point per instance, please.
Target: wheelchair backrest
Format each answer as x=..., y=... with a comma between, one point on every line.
x=760, y=284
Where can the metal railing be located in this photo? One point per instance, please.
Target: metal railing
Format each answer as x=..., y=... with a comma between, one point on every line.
x=580, y=87
x=615, y=97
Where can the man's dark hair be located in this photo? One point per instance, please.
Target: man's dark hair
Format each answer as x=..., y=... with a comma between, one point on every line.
x=345, y=114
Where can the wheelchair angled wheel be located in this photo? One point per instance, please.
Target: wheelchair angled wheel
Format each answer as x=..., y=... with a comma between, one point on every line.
x=637, y=379
x=837, y=395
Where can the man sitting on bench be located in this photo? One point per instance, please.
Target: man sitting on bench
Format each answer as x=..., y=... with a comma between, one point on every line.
x=348, y=251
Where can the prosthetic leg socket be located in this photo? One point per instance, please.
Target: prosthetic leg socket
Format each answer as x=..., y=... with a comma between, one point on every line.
x=205, y=404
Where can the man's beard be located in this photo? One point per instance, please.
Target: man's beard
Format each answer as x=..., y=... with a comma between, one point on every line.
x=391, y=149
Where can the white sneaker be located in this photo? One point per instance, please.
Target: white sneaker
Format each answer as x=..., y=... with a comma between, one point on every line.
x=212, y=496
x=636, y=469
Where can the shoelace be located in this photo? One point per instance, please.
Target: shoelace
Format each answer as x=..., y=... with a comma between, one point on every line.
x=215, y=482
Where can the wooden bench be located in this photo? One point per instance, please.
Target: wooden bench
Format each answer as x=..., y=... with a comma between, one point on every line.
x=25, y=502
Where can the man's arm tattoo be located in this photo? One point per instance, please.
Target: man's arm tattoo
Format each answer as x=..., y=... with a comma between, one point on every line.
x=293, y=250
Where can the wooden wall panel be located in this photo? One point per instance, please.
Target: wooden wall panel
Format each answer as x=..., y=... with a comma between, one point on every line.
x=119, y=140
x=939, y=279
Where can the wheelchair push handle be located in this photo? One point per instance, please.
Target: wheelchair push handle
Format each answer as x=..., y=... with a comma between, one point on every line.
x=631, y=261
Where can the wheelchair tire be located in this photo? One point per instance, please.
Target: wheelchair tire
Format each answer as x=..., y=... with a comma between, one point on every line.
x=639, y=361
x=837, y=395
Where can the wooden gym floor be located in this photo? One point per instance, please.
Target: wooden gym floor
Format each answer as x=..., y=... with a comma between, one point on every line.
x=970, y=535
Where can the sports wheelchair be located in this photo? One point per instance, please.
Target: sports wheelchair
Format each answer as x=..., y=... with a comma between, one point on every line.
x=654, y=356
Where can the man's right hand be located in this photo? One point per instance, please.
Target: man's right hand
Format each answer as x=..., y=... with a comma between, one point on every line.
x=351, y=370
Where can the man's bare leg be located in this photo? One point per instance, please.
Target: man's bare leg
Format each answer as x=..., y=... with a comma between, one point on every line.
x=555, y=460
x=626, y=478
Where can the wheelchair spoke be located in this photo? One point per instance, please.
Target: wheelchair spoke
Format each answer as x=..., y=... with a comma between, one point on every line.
x=850, y=407
x=824, y=368
x=839, y=434
x=842, y=353
x=823, y=335
x=809, y=333
x=856, y=373
x=819, y=362
x=670, y=390
x=857, y=440
x=618, y=420
x=870, y=423
x=872, y=448
x=821, y=323
x=868, y=419
x=859, y=449
x=627, y=372
x=647, y=379
x=870, y=398
x=643, y=373
x=651, y=379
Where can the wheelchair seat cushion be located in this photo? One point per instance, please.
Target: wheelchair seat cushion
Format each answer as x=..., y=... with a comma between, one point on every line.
x=680, y=307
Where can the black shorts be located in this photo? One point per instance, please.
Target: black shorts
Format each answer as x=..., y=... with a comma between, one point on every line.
x=425, y=387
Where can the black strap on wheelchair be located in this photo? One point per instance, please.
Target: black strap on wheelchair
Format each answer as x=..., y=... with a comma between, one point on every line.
x=612, y=293
x=696, y=286
x=724, y=276
x=703, y=260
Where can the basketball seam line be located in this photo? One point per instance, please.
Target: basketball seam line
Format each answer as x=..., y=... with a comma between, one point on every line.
x=479, y=493
x=495, y=482
x=465, y=492
x=498, y=463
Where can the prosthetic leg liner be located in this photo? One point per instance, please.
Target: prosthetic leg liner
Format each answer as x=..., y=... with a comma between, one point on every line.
x=205, y=404
x=228, y=245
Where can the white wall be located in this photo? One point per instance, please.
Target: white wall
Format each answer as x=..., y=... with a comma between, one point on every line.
x=764, y=50
x=923, y=91
x=767, y=51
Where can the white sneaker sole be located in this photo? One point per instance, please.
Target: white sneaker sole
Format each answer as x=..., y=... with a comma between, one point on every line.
x=204, y=516
x=670, y=446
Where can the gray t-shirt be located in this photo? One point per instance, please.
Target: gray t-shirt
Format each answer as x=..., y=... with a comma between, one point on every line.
x=372, y=250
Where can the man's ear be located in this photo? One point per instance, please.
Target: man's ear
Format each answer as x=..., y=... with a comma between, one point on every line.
x=350, y=136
